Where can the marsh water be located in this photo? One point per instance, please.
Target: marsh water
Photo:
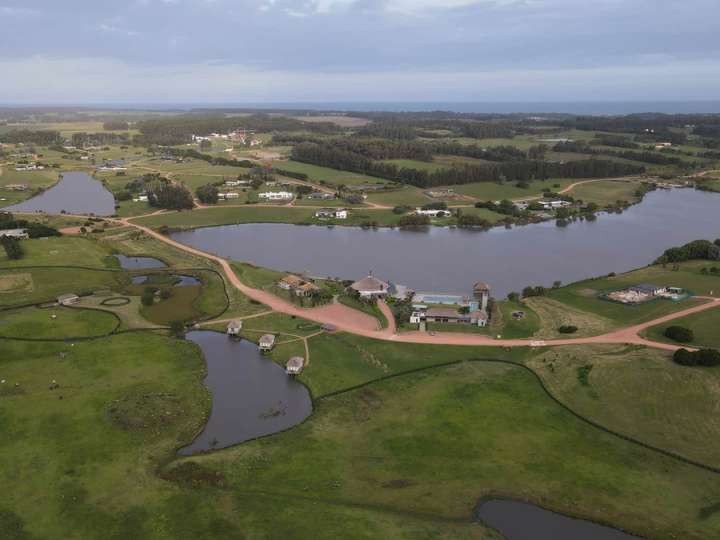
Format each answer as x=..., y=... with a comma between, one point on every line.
x=75, y=193
x=139, y=263
x=252, y=396
x=523, y=521
x=451, y=260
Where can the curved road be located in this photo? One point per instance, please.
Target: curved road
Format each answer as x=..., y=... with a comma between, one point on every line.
x=355, y=322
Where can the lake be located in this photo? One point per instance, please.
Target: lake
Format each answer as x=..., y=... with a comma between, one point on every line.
x=139, y=263
x=523, y=521
x=451, y=260
x=252, y=396
x=75, y=193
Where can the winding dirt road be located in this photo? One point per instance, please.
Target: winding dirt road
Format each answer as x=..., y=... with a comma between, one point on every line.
x=358, y=323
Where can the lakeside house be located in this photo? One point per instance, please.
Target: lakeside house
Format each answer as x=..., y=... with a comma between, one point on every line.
x=371, y=287
x=68, y=299
x=140, y=198
x=554, y=205
x=644, y=292
x=433, y=213
x=229, y=195
x=481, y=291
x=20, y=234
x=236, y=183
x=29, y=167
x=16, y=187
x=276, y=195
x=648, y=289
x=331, y=213
x=301, y=287
x=234, y=328
x=266, y=342
x=449, y=315
x=295, y=365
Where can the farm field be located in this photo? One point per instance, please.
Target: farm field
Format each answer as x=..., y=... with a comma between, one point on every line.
x=492, y=191
x=37, y=323
x=324, y=174
x=705, y=327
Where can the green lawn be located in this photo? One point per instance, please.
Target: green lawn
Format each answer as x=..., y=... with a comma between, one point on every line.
x=333, y=176
x=492, y=191
x=225, y=216
x=33, y=179
x=705, y=327
x=404, y=195
x=606, y=192
x=59, y=251
x=39, y=323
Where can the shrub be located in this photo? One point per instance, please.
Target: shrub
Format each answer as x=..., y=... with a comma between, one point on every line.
x=679, y=334
x=568, y=329
x=147, y=299
x=703, y=357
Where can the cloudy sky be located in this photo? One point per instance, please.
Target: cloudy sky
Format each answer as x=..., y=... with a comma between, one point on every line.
x=214, y=51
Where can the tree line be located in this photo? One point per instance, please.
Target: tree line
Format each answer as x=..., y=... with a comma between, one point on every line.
x=329, y=155
x=41, y=137
x=643, y=157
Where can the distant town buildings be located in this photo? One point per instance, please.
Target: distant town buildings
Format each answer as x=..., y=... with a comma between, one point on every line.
x=276, y=195
x=331, y=213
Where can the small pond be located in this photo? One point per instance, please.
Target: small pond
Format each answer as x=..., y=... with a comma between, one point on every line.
x=75, y=193
x=524, y=521
x=449, y=260
x=252, y=396
x=139, y=263
x=180, y=280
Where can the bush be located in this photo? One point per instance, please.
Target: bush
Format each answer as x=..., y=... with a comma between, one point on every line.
x=568, y=329
x=147, y=299
x=679, y=334
x=703, y=357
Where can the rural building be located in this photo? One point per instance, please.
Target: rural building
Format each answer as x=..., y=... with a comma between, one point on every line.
x=68, y=299
x=295, y=365
x=449, y=315
x=29, y=167
x=433, y=213
x=234, y=327
x=140, y=198
x=16, y=187
x=290, y=282
x=553, y=205
x=276, y=195
x=331, y=213
x=648, y=289
x=481, y=291
x=228, y=195
x=298, y=285
x=371, y=287
x=20, y=234
x=267, y=342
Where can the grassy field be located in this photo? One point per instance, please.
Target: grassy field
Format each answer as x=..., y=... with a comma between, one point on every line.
x=606, y=192
x=640, y=392
x=705, y=327
x=491, y=191
x=405, y=195
x=333, y=176
x=439, y=454
x=34, y=180
x=59, y=251
x=39, y=323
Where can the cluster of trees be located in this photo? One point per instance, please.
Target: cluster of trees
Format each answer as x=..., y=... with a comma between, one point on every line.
x=505, y=207
x=413, y=220
x=383, y=148
x=470, y=221
x=703, y=357
x=169, y=196
x=12, y=246
x=207, y=194
x=83, y=139
x=330, y=155
x=495, y=153
x=617, y=141
x=697, y=249
x=41, y=137
x=679, y=334
x=213, y=160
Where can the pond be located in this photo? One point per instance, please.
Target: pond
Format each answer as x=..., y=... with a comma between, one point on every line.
x=450, y=260
x=139, y=263
x=252, y=396
x=523, y=521
x=75, y=193
x=179, y=280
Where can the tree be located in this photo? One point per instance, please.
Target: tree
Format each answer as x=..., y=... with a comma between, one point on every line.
x=703, y=357
x=12, y=246
x=170, y=196
x=513, y=296
x=679, y=334
x=177, y=328
x=557, y=284
x=207, y=194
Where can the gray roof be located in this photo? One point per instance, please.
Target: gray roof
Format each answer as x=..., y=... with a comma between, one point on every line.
x=268, y=339
x=296, y=362
x=448, y=313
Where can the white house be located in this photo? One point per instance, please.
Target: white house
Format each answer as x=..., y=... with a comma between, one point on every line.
x=141, y=198
x=229, y=195
x=432, y=213
x=276, y=195
x=68, y=299
x=552, y=205
x=234, y=327
x=332, y=213
x=295, y=365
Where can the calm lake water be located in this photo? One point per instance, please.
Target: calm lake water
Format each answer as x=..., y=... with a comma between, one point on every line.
x=523, y=521
x=251, y=395
x=451, y=260
x=139, y=263
x=75, y=193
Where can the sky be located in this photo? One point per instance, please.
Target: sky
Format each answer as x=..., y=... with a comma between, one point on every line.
x=265, y=51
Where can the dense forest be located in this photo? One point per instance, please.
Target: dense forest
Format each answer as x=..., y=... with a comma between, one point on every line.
x=654, y=158
x=41, y=137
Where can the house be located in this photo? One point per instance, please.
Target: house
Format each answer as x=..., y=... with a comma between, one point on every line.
x=232, y=183
x=68, y=299
x=16, y=187
x=140, y=198
x=299, y=286
x=371, y=287
x=20, y=234
x=231, y=195
x=648, y=289
x=331, y=213
x=276, y=195
x=553, y=205
x=433, y=213
x=234, y=327
x=307, y=289
x=295, y=365
x=481, y=291
x=662, y=145
x=449, y=315
x=522, y=205
x=267, y=342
